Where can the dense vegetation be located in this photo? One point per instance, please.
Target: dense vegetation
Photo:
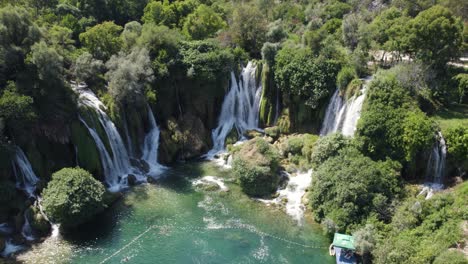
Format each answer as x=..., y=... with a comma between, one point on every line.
x=73, y=197
x=176, y=56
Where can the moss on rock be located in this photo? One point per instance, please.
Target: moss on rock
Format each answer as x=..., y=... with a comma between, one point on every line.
x=87, y=154
x=256, y=165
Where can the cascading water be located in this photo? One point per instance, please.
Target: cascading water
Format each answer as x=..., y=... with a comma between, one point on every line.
x=293, y=194
x=435, y=171
x=26, y=179
x=436, y=164
x=26, y=230
x=240, y=108
x=151, y=145
x=117, y=164
x=342, y=116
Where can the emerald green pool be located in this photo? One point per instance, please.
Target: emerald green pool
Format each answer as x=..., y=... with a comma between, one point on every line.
x=174, y=222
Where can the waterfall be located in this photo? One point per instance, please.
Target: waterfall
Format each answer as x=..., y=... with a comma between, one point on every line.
x=26, y=230
x=116, y=165
x=11, y=248
x=26, y=179
x=342, y=116
x=151, y=145
x=240, y=108
x=127, y=135
x=436, y=163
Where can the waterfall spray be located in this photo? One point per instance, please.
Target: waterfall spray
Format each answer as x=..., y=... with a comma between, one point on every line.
x=240, y=108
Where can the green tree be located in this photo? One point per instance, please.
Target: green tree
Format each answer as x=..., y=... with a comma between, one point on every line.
x=206, y=60
x=102, y=40
x=128, y=75
x=436, y=51
x=248, y=28
x=47, y=61
x=348, y=188
x=17, y=34
x=457, y=146
x=73, y=197
x=203, y=23
x=15, y=106
x=327, y=147
x=159, y=13
x=418, y=133
x=298, y=74
x=87, y=69
x=130, y=34
x=163, y=46
x=388, y=30
x=391, y=125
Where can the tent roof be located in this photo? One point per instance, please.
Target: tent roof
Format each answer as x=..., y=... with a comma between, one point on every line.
x=343, y=241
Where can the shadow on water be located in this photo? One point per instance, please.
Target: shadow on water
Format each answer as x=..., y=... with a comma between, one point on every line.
x=103, y=225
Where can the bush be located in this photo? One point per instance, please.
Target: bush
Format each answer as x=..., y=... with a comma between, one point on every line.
x=350, y=187
x=344, y=77
x=451, y=256
x=73, y=197
x=391, y=124
x=423, y=230
x=256, y=167
x=457, y=146
x=327, y=147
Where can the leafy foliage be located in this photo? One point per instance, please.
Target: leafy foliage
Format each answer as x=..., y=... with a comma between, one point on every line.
x=348, y=188
x=203, y=23
x=256, y=165
x=102, y=40
x=457, y=146
x=298, y=74
x=391, y=125
x=423, y=230
x=128, y=74
x=73, y=197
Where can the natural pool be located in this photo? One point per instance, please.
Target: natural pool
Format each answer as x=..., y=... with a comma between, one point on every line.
x=174, y=221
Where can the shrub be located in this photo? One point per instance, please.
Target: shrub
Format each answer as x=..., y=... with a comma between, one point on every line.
x=256, y=166
x=327, y=147
x=73, y=197
x=344, y=77
x=350, y=187
x=457, y=146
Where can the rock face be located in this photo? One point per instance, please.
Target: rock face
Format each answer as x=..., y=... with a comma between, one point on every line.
x=256, y=165
x=183, y=139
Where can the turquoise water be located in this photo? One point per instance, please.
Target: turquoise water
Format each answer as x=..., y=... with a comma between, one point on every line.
x=175, y=222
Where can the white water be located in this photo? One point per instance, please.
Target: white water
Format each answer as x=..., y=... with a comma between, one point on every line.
x=239, y=110
x=211, y=179
x=435, y=171
x=116, y=165
x=436, y=164
x=293, y=193
x=26, y=179
x=5, y=228
x=151, y=145
x=342, y=116
x=11, y=248
x=26, y=230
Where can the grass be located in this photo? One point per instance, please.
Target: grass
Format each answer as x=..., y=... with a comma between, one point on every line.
x=452, y=116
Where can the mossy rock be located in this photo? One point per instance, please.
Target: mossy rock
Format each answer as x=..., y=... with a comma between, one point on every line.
x=353, y=88
x=37, y=221
x=232, y=137
x=255, y=165
x=88, y=154
x=252, y=133
x=273, y=132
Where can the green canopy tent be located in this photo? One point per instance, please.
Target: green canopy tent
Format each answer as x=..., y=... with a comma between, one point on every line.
x=343, y=241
